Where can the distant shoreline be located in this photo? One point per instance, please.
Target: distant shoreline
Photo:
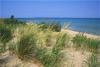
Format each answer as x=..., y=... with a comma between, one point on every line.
x=53, y=17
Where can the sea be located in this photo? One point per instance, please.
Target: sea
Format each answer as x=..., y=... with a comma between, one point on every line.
x=87, y=25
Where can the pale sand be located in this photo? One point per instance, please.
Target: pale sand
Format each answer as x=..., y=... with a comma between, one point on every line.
x=73, y=33
x=7, y=60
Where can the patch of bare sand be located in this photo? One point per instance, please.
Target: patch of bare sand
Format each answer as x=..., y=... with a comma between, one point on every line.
x=7, y=60
x=75, y=58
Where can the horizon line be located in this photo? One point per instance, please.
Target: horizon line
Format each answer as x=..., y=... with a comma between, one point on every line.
x=52, y=17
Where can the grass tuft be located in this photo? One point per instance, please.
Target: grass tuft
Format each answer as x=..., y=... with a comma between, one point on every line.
x=82, y=41
x=92, y=61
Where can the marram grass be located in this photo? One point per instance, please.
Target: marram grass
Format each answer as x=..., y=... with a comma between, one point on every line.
x=31, y=44
x=82, y=41
x=92, y=61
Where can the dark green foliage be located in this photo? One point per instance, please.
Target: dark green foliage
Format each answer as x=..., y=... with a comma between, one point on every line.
x=55, y=26
x=5, y=33
x=82, y=41
x=13, y=22
x=12, y=17
x=44, y=24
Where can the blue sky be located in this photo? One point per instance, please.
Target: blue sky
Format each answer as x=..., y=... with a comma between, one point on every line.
x=50, y=8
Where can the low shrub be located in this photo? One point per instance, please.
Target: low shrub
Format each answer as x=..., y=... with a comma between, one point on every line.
x=55, y=26
x=5, y=34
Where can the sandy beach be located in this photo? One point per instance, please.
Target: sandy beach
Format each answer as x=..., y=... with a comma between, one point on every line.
x=73, y=33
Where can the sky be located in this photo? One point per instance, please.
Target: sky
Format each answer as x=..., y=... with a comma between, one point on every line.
x=50, y=8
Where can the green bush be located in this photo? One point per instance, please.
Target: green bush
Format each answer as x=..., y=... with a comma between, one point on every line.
x=14, y=22
x=5, y=34
x=55, y=26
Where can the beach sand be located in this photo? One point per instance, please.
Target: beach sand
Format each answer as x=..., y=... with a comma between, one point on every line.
x=73, y=33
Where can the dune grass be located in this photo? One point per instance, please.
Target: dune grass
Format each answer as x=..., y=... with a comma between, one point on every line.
x=31, y=44
x=7, y=29
x=55, y=26
x=1, y=47
x=12, y=47
x=25, y=46
x=5, y=33
x=92, y=61
x=90, y=44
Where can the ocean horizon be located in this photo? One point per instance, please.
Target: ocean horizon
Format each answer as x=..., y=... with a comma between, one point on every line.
x=87, y=25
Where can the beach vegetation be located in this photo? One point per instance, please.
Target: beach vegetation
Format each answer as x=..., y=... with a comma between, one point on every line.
x=31, y=44
x=12, y=17
x=1, y=47
x=82, y=41
x=55, y=26
x=92, y=61
x=5, y=35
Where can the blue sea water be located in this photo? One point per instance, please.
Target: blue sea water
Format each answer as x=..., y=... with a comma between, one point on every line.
x=88, y=25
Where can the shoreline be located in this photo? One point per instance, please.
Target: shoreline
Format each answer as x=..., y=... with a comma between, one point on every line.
x=73, y=33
